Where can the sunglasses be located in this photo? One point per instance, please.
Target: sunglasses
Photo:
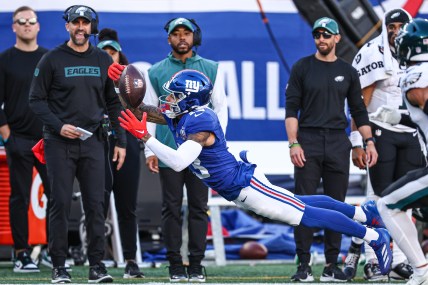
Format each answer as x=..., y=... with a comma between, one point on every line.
x=325, y=35
x=23, y=21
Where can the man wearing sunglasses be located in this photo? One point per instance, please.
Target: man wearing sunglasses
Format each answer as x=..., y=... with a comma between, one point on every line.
x=316, y=126
x=399, y=146
x=20, y=129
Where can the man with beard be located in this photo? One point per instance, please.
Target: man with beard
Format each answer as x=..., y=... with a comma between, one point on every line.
x=319, y=146
x=71, y=90
x=399, y=146
x=183, y=35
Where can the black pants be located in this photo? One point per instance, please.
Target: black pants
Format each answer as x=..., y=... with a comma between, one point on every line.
x=86, y=161
x=197, y=197
x=327, y=155
x=398, y=154
x=21, y=161
x=124, y=183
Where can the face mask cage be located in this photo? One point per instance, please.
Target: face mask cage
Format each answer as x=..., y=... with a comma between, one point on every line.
x=169, y=104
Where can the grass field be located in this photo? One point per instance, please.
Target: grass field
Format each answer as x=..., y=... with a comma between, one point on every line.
x=250, y=273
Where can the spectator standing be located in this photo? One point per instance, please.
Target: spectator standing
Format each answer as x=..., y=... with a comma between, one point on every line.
x=183, y=35
x=319, y=147
x=20, y=130
x=123, y=182
x=71, y=89
x=398, y=146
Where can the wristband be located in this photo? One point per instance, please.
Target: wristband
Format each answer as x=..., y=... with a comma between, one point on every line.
x=356, y=139
x=357, y=146
x=293, y=143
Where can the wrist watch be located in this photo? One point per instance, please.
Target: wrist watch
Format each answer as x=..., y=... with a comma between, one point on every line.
x=372, y=139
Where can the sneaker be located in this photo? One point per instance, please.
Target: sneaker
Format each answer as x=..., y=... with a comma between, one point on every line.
x=60, y=275
x=303, y=274
x=372, y=273
x=401, y=271
x=45, y=259
x=418, y=280
x=372, y=214
x=332, y=273
x=382, y=249
x=98, y=274
x=351, y=262
x=196, y=273
x=177, y=273
x=132, y=271
x=24, y=263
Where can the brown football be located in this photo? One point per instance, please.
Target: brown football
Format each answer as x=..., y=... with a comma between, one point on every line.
x=132, y=86
x=253, y=250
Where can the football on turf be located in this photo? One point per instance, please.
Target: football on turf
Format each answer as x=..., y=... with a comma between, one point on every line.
x=132, y=86
x=253, y=250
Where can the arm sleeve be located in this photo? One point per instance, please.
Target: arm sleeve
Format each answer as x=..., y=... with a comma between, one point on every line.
x=150, y=99
x=293, y=93
x=176, y=159
x=39, y=92
x=219, y=102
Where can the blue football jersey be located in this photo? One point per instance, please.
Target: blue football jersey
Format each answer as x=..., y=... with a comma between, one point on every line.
x=215, y=165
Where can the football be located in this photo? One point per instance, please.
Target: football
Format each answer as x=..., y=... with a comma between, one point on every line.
x=132, y=86
x=253, y=250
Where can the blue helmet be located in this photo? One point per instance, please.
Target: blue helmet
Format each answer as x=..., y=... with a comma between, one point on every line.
x=188, y=89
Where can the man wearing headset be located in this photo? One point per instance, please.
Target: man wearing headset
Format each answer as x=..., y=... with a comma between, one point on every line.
x=71, y=90
x=183, y=35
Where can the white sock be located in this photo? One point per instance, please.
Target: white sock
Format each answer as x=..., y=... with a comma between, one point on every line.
x=421, y=270
x=359, y=215
x=370, y=235
x=357, y=240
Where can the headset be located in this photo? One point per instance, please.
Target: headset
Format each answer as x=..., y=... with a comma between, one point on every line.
x=94, y=21
x=197, y=34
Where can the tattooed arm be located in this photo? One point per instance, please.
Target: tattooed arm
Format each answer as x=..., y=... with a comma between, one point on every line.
x=154, y=114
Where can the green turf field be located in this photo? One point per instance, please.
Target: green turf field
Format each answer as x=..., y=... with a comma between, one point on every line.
x=252, y=273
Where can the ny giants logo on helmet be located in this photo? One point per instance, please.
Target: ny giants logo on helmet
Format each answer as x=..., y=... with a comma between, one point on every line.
x=192, y=86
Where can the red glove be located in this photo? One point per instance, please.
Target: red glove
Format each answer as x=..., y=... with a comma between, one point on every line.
x=129, y=122
x=115, y=70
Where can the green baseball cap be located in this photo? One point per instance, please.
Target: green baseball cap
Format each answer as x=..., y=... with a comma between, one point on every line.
x=180, y=22
x=109, y=43
x=328, y=24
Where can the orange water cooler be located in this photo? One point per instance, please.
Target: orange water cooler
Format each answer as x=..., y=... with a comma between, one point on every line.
x=36, y=211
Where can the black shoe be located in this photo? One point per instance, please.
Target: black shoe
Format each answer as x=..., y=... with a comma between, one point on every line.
x=351, y=262
x=372, y=273
x=402, y=271
x=60, y=275
x=196, y=273
x=303, y=274
x=333, y=273
x=24, y=264
x=98, y=274
x=177, y=273
x=132, y=271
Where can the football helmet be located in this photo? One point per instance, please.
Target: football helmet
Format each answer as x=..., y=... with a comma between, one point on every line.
x=412, y=41
x=188, y=89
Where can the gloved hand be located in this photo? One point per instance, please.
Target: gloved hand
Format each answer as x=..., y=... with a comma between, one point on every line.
x=129, y=122
x=386, y=114
x=115, y=70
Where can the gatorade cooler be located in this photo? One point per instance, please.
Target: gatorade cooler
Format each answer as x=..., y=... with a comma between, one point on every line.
x=36, y=211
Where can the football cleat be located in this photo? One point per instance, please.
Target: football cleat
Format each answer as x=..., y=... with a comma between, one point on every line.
x=372, y=214
x=383, y=251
